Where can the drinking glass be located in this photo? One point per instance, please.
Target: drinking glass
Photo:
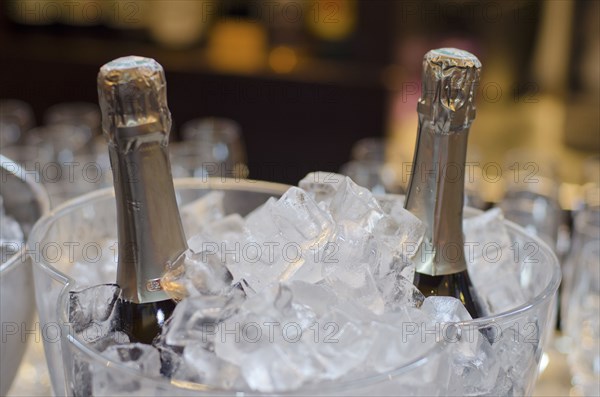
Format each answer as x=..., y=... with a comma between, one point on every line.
x=531, y=193
x=34, y=160
x=91, y=170
x=77, y=368
x=368, y=167
x=539, y=213
x=80, y=114
x=591, y=170
x=210, y=147
x=67, y=173
x=583, y=325
x=25, y=201
x=16, y=118
x=586, y=232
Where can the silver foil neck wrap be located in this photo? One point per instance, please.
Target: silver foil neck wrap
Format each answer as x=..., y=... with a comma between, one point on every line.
x=132, y=92
x=449, y=82
x=136, y=121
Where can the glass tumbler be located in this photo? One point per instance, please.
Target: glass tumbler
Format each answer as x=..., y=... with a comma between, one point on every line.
x=25, y=201
x=76, y=368
x=367, y=167
x=211, y=147
x=583, y=325
x=63, y=175
x=16, y=118
x=80, y=114
x=586, y=232
x=531, y=193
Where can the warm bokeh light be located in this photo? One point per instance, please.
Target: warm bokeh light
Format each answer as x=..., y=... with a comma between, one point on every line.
x=237, y=46
x=283, y=59
x=331, y=20
x=176, y=23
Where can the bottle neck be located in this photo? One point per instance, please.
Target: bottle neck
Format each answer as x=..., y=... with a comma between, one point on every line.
x=150, y=232
x=436, y=196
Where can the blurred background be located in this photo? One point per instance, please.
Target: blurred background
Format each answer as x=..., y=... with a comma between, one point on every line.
x=273, y=90
x=305, y=80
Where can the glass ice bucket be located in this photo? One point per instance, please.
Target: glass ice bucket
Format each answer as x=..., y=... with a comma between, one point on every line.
x=25, y=201
x=91, y=218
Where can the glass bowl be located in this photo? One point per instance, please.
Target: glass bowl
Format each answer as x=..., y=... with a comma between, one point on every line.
x=74, y=365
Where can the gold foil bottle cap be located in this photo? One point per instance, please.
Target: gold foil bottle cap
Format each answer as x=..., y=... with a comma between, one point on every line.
x=133, y=97
x=449, y=82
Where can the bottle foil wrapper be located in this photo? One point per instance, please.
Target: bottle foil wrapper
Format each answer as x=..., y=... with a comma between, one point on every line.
x=449, y=82
x=132, y=92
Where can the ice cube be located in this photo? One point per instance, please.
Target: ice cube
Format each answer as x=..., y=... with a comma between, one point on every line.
x=200, y=365
x=489, y=253
x=353, y=280
x=139, y=356
x=197, y=274
x=94, y=307
x=93, y=316
x=350, y=246
x=347, y=268
x=445, y=309
x=518, y=351
x=319, y=298
x=299, y=218
x=356, y=204
x=475, y=368
x=113, y=338
x=195, y=319
x=398, y=237
x=399, y=339
x=406, y=230
x=279, y=342
x=222, y=234
x=196, y=215
x=345, y=341
x=503, y=386
x=170, y=357
x=321, y=185
x=143, y=358
x=259, y=324
x=277, y=367
x=285, y=232
x=487, y=226
x=389, y=201
x=397, y=292
x=358, y=286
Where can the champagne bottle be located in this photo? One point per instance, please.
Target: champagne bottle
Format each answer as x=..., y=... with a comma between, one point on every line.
x=436, y=187
x=136, y=122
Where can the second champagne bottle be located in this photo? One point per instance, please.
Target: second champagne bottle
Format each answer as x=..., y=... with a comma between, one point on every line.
x=436, y=187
